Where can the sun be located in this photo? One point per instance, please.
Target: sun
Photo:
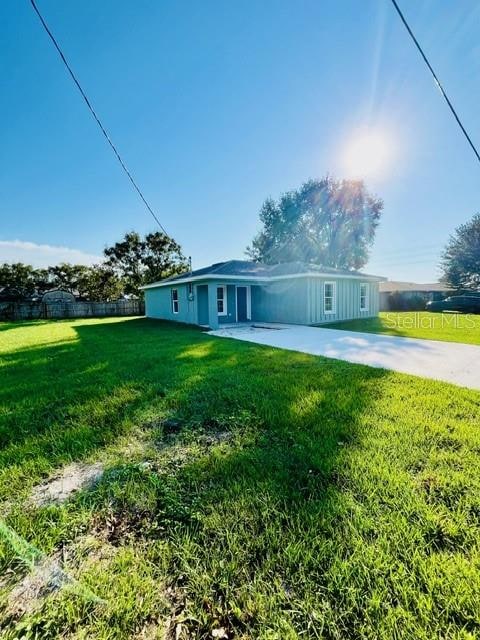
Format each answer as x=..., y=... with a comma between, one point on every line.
x=367, y=154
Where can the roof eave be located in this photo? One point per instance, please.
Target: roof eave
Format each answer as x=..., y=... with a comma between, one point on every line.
x=218, y=276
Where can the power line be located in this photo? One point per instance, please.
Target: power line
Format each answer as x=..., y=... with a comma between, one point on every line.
x=97, y=119
x=439, y=85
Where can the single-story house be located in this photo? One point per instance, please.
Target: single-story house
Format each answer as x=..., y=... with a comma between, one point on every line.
x=410, y=290
x=238, y=291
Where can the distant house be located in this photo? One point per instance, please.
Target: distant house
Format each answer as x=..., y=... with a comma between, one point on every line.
x=410, y=291
x=239, y=291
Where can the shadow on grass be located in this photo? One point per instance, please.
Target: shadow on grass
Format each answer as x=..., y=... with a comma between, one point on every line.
x=263, y=498
x=64, y=400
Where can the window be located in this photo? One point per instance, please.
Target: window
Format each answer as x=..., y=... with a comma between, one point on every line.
x=222, y=301
x=175, y=300
x=363, y=296
x=329, y=297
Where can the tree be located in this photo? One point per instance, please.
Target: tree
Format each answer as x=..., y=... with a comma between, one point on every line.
x=460, y=260
x=42, y=281
x=18, y=279
x=327, y=222
x=100, y=283
x=66, y=276
x=140, y=261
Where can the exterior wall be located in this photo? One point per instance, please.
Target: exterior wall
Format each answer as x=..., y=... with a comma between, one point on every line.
x=158, y=304
x=290, y=301
x=347, y=300
x=281, y=301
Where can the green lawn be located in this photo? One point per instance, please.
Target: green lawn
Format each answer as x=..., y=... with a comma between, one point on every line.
x=250, y=492
x=449, y=327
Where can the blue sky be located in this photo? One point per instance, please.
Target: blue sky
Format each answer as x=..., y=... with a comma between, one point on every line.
x=216, y=106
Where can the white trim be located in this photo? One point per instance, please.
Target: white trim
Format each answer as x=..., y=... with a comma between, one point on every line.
x=333, y=296
x=367, y=296
x=173, y=301
x=224, y=299
x=249, y=301
x=212, y=276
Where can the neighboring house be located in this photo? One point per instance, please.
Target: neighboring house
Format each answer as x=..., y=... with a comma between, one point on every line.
x=241, y=291
x=411, y=290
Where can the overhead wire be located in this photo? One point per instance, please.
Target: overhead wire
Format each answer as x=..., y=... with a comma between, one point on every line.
x=437, y=81
x=96, y=117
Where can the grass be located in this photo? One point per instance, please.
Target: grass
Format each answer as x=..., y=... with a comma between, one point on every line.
x=448, y=327
x=249, y=492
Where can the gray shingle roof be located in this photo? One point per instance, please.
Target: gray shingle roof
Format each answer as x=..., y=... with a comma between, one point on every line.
x=245, y=268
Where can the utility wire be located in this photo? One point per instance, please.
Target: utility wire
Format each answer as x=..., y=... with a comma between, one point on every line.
x=97, y=119
x=439, y=85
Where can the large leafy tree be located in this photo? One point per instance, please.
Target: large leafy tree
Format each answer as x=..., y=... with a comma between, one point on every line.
x=67, y=276
x=18, y=279
x=138, y=261
x=328, y=222
x=100, y=283
x=461, y=258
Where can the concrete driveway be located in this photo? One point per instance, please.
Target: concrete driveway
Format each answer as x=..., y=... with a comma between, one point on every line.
x=448, y=361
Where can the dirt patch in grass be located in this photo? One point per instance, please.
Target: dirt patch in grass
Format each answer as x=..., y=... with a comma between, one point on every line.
x=161, y=503
x=46, y=577
x=64, y=484
x=117, y=527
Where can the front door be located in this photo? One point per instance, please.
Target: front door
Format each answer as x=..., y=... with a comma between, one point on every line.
x=202, y=304
x=242, y=304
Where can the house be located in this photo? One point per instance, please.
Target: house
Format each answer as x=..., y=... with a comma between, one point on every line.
x=409, y=291
x=239, y=291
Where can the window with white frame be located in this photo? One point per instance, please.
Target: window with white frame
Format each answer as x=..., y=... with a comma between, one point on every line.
x=222, y=300
x=329, y=301
x=363, y=296
x=175, y=306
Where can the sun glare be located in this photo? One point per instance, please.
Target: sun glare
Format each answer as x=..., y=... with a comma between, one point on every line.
x=367, y=155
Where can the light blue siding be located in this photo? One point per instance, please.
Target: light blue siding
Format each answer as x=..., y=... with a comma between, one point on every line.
x=290, y=301
x=347, y=303
x=282, y=301
x=158, y=304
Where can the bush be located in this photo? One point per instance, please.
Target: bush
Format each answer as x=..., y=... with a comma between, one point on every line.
x=402, y=301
